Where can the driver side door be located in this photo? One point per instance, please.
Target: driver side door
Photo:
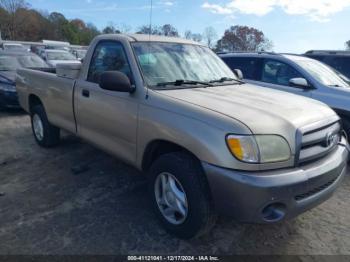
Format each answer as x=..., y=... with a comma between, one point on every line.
x=107, y=118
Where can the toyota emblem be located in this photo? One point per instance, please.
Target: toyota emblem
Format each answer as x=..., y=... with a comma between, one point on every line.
x=331, y=139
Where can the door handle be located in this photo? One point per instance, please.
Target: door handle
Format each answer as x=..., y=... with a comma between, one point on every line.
x=85, y=93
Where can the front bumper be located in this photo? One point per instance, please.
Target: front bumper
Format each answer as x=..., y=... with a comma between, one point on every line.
x=9, y=99
x=270, y=196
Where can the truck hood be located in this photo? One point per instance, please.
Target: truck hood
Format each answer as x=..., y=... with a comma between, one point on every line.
x=262, y=110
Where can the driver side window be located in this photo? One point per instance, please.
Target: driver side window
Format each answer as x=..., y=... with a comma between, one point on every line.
x=108, y=56
x=278, y=73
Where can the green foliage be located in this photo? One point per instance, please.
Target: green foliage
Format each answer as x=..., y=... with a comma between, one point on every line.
x=109, y=30
x=19, y=22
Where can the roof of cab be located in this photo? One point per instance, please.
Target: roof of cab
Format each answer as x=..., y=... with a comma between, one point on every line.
x=149, y=38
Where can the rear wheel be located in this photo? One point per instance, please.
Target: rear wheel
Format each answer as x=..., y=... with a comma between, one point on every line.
x=180, y=195
x=45, y=134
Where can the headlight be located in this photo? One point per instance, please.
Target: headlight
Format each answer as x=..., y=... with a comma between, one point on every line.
x=7, y=87
x=259, y=148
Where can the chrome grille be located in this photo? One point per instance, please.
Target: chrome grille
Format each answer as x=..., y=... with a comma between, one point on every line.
x=319, y=142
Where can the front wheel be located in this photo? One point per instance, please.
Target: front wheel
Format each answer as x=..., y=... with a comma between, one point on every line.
x=180, y=195
x=45, y=134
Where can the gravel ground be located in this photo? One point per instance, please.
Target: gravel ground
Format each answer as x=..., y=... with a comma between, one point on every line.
x=47, y=209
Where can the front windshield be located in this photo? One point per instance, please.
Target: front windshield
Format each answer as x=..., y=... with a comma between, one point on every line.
x=11, y=63
x=169, y=62
x=60, y=56
x=321, y=72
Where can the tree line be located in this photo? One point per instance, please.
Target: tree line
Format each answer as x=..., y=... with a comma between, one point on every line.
x=18, y=21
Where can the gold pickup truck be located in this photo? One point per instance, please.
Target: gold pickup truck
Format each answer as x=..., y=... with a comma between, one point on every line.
x=209, y=143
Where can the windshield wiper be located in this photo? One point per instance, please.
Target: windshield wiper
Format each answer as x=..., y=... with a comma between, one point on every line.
x=181, y=82
x=226, y=79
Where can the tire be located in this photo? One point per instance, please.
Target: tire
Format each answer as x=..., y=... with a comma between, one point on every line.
x=187, y=175
x=45, y=134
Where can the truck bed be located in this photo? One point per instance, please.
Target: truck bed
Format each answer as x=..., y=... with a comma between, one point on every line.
x=55, y=93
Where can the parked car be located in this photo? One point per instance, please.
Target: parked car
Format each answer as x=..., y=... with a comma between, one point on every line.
x=57, y=45
x=295, y=74
x=37, y=49
x=208, y=142
x=9, y=62
x=14, y=47
x=79, y=53
x=54, y=57
x=339, y=60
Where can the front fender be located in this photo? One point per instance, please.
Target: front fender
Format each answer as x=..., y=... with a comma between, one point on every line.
x=206, y=141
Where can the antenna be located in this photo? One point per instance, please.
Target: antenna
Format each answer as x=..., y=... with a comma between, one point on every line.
x=149, y=38
x=150, y=21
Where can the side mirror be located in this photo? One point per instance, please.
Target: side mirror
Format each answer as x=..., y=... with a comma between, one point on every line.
x=115, y=81
x=299, y=83
x=238, y=73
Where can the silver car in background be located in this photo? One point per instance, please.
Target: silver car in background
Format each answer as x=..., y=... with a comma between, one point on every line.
x=79, y=53
x=14, y=47
x=54, y=57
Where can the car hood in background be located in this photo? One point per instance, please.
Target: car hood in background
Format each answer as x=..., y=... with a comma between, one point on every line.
x=8, y=77
x=263, y=110
x=55, y=62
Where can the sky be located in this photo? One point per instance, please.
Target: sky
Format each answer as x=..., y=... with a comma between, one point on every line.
x=293, y=25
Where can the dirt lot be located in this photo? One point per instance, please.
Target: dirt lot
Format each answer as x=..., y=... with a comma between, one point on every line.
x=47, y=209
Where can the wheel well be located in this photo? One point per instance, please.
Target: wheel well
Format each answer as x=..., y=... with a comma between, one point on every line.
x=34, y=101
x=158, y=148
